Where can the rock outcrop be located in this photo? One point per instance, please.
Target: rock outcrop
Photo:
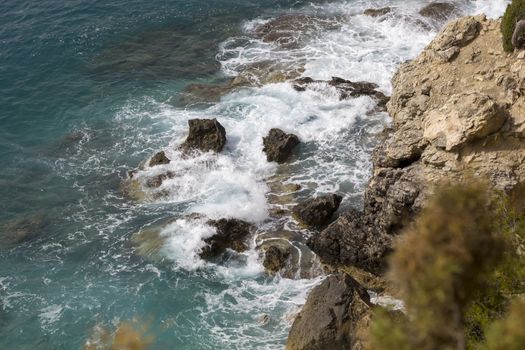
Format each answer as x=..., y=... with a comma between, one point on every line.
x=204, y=135
x=317, y=211
x=345, y=88
x=334, y=316
x=458, y=112
x=231, y=234
x=159, y=159
x=279, y=145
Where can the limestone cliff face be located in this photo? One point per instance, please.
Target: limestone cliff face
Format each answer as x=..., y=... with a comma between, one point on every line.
x=458, y=112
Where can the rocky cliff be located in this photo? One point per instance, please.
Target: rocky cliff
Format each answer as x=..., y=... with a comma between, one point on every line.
x=458, y=112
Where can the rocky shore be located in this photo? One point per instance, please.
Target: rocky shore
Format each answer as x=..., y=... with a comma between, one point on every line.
x=458, y=113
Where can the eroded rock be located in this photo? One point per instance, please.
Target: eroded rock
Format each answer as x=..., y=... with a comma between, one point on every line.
x=205, y=135
x=333, y=317
x=317, y=211
x=279, y=145
x=275, y=258
x=377, y=12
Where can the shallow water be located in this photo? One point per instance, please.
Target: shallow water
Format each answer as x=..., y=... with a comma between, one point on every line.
x=89, y=89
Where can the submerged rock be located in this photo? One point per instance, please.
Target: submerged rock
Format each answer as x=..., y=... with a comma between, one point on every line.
x=334, y=316
x=279, y=145
x=317, y=211
x=157, y=180
x=159, y=159
x=205, y=135
x=231, y=234
x=289, y=31
x=377, y=12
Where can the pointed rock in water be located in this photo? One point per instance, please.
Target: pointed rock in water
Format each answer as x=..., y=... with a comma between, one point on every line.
x=317, y=211
x=231, y=234
x=336, y=316
x=275, y=259
x=159, y=159
x=279, y=145
x=205, y=135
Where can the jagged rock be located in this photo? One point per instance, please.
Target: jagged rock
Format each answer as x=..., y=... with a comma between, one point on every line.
x=333, y=317
x=231, y=234
x=205, y=135
x=317, y=211
x=275, y=259
x=279, y=145
x=346, y=88
x=159, y=159
x=439, y=10
x=377, y=12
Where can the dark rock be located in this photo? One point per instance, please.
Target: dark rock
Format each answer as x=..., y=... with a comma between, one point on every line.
x=231, y=234
x=159, y=159
x=279, y=145
x=156, y=181
x=205, y=135
x=364, y=239
x=439, y=11
x=22, y=228
x=317, y=211
x=333, y=317
x=347, y=89
x=275, y=259
x=377, y=12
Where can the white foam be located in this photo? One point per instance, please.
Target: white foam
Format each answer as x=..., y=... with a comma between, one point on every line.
x=492, y=8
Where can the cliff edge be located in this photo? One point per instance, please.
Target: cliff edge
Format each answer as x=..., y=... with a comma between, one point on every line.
x=458, y=112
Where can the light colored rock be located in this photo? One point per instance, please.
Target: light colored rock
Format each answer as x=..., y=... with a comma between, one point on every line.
x=463, y=119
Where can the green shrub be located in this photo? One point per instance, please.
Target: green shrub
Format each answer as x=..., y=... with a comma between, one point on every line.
x=458, y=267
x=514, y=13
x=508, y=333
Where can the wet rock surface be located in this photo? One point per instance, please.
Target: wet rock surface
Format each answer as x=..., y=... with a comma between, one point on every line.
x=231, y=234
x=159, y=159
x=204, y=135
x=334, y=316
x=439, y=11
x=317, y=211
x=378, y=12
x=346, y=88
x=275, y=258
x=279, y=146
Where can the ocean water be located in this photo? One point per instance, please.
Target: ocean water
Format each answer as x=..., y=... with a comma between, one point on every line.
x=90, y=89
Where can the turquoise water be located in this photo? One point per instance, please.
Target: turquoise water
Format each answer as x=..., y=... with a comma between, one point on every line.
x=89, y=89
